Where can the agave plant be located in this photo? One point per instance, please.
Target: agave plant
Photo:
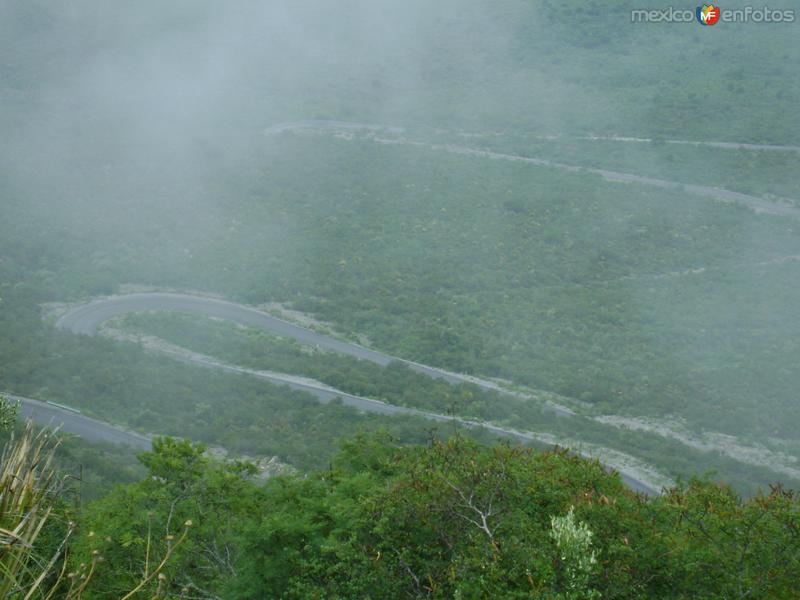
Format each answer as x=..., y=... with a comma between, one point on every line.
x=28, y=485
x=29, y=490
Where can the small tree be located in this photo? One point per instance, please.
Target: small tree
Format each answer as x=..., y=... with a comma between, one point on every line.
x=576, y=557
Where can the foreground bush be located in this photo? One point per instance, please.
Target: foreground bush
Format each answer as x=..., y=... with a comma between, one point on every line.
x=451, y=519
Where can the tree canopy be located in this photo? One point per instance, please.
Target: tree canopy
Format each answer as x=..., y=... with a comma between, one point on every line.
x=451, y=519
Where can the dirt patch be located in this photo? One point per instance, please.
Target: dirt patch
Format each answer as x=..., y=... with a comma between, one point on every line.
x=710, y=441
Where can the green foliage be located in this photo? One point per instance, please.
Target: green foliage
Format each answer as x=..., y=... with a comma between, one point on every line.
x=628, y=299
x=395, y=383
x=447, y=520
x=8, y=414
x=135, y=526
x=576, y=557
x=762, y=173
x=121, y=383
x=89, y=469
x=398, y=385
x=37, y=535
x=556, y=280
x=458, y=521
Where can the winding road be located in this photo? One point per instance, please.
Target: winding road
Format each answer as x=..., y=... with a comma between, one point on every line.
x=86, y=319
x=787, y=207
x=69, y=421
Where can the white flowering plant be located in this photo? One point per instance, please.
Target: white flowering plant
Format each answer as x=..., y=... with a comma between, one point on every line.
x=576, y=557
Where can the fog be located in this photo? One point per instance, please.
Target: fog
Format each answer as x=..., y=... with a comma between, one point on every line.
x=398, y=299
x=133, y=155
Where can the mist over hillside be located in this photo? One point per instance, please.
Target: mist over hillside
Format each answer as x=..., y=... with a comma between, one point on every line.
x=522, y=220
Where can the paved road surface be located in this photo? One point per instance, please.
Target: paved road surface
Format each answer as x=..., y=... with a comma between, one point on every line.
x=71, y=422
x=759, y=205
x=705, y=191
x=87, y=318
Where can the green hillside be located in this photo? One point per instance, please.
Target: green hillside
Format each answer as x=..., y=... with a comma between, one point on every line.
x=597, y=220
